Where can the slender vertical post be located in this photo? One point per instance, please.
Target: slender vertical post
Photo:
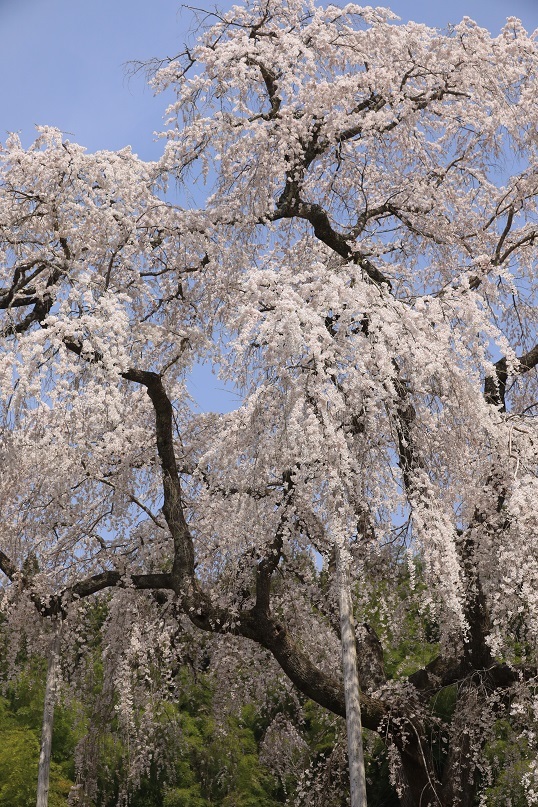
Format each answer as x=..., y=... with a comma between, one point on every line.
x=48, y=721
x=357, y=776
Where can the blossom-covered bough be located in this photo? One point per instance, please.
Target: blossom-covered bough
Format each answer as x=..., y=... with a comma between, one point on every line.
x=355, y=246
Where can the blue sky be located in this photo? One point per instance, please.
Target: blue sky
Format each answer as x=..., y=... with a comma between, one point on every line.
x=63, y=63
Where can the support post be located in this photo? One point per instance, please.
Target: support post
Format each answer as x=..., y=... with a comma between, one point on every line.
x=48, y=721
x=357, y=776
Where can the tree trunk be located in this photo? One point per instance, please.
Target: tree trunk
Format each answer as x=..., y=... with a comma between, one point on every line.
x=48, y=721
x=355, y=752
x=419, y=785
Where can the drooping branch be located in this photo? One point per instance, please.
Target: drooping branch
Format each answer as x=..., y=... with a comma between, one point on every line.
x=267, y=566
x=477, y=654
x=477, y=651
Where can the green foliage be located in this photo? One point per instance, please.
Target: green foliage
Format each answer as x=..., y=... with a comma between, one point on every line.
x=215, y=763
x=509, y=756
x=185, y=797
x=19, y=754
x=219, y=764
x=21, y=715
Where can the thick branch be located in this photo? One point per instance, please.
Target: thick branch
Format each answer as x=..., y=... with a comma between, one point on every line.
x=183, y=566
x=270, y=81
x=289, y=206
x=7, y=566
x=528, y=361
x=85, y=588
x=37, y=314
x=9, y=296
x=55, y=604
x=405, y=416
x=308, y=679
x=495, y=385
x=98, y=582
x=264, y=572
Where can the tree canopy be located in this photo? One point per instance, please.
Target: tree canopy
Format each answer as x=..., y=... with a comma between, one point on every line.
x=343, y=221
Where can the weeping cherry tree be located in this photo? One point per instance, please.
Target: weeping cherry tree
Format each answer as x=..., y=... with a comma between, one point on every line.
x=344, y=222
